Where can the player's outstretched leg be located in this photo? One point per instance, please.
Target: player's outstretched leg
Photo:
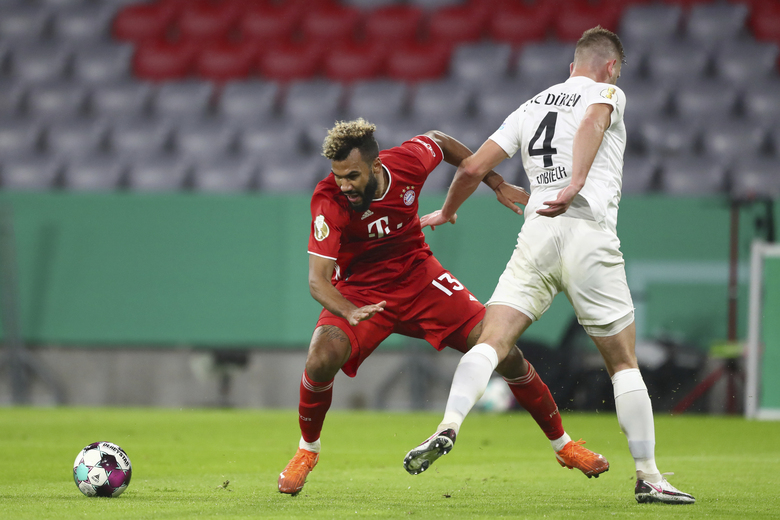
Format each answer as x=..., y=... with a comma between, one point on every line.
x=574, y=455
x=420, y=458
x=292, y=479
x=660, y=492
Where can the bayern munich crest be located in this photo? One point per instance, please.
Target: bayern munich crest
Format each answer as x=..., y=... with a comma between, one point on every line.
x=409, y=195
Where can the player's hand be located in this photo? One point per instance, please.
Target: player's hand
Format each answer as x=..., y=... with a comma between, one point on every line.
x=436, y=219
x=509, y=195
x=561, y=204
x=365, y=312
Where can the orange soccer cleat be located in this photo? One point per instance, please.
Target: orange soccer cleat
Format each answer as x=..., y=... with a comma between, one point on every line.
x=292, y=479
x=573, y=455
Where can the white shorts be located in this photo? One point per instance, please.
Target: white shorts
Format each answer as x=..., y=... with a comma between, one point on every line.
x=566, y=254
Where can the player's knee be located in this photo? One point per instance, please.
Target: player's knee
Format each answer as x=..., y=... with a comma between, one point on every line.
x=513, y=365
x=328, y=351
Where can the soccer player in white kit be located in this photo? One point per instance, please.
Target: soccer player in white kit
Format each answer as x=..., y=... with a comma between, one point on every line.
x=571, y=138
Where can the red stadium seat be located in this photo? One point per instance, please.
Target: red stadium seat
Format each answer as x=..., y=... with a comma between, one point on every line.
x=520, y=23
x=205, y=20
x=765, y=22
x=225, y=61
x=160, y=60
x=138, y=22
x=290, y=61
x=352, y=62
x=687, y=3
x=269, y=23
x=581, y=16
x=331, y=24
x=457, y=24
x=393, y=24
x=418, y=62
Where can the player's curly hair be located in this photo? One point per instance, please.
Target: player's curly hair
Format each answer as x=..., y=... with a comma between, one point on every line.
x=602, y=41
x=345, y=136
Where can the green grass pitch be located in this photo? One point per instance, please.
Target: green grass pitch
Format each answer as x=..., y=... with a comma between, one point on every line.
x=501, y=467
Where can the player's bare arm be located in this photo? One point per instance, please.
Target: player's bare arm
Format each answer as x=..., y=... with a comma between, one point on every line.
x=321, y=289
x=587, y=141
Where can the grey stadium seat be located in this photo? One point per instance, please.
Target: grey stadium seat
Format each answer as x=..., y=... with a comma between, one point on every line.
x=644, y=99
x=675, y=60
x=693, y=175
x=41, y=62
x=544, y=64
x=291, y=174
x=267, y=137
x=81, y=22
x=121, y=99
x=23, y=21
x=315, y=99
x=183, y=99
x=230, y=173
x=102, y=64
x=650, y=23
x=479, y=63
x=57, y=100
x=29, y=172
x=76, y=138
x=201, y=138
x=746, y=61
x=737, y=139
x=761, y=102
x=12, y=95
x=437, y=100
x=469, y=131
x=705, y=101
x=19, y=135
x=497, y=100
x=159, y=172
x=98, y=172
x=248, y=101
x=137, y=137
x=377, y=101
x=639, y=174
x=756, y=178
x=710, y=24
x=666, y=136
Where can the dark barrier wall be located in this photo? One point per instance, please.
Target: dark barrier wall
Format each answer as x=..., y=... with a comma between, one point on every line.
x=192, y=269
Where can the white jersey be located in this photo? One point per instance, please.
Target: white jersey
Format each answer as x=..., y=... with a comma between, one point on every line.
x=543, y=129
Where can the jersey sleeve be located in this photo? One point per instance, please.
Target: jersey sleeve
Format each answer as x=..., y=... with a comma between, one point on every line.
x=425, y=150
x=328, y=221
x=609, y=95
x=508, y=134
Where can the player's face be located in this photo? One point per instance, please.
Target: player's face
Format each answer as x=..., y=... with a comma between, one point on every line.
x=357, y=180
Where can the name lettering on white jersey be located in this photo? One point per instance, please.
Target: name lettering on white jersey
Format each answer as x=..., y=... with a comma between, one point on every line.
x=558, y=100
x=381, y=228
x=550, y=176
x=429, y=147
x=367, y=214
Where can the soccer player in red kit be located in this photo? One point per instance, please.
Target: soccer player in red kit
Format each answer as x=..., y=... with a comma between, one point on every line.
x=373, y=273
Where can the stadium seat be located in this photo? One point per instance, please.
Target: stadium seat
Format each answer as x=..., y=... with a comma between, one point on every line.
x=12, y=94
x=765, y=21
x=650, y=23
x=393, y=25
x=227, y=173
x=143, y=21
x=497, y=100
x=312, y=100
x=418, y=62
x=225, y=61
x=23, y=22
x=19, y=135
x=203, y=20
x=544, y=63
x=76, y=138
x=290, y=174
x=705, y=100
x=711, y=24
x=56, y=100
x=675, y=60
x=350, y=61
x=159, y=172
x=746, y=61
x=519, y=23
x=121, y=98
x=136, y=137
x=267, y=23
x=476, y=64
x=469, y=131
x=263, y=138
x=98, y=172
x=248, y=101
x=644, y=99
x=200, y=138
x=431, y=5
x=185, y=99
x=377, y=101
x=457, y=24
x=693, y=175
x=664, y=136
x=687, y=4
x=436, y=100
x=579, y=16
x=755, y=178
x=639, y=174
x=160, y=60
x=761, y=102
x=97, y=65
x=371, y=4
x=331, y=23
x=40, y=62
x=82, y=22
x=284, y=61
x=29, y=172
x=742, y=139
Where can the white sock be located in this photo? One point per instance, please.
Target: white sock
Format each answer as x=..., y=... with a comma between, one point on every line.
x=468, y=384
x=635, y=416
x=313, y=447
x=559, y=443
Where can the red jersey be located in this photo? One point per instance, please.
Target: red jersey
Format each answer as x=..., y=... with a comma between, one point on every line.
x=379, y=245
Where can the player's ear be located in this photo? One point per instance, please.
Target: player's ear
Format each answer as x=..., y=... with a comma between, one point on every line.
x=376, y=166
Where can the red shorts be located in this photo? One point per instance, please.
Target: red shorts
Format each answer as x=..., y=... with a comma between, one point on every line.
x=429, y=303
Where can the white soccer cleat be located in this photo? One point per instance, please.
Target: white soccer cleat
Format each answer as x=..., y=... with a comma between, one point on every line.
x=660, y=492
x=420, y=458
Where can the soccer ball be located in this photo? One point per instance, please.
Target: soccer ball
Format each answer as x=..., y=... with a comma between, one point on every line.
x=102, y=469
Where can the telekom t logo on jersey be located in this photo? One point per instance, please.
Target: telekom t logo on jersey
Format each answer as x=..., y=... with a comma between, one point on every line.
x=380, y=228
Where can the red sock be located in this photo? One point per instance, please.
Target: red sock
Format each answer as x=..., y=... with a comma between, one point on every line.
x=533, y=395
x=313, y=405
